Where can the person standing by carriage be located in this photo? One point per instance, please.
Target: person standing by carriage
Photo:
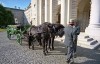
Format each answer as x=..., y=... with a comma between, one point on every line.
x=69, y=40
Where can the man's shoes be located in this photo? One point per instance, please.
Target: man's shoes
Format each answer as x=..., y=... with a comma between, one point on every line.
x=71, y=63
x=75, y=55
x=65, y=53
x=68, y=61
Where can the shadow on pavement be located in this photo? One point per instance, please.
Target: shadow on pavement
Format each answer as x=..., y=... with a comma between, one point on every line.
x=93, y=56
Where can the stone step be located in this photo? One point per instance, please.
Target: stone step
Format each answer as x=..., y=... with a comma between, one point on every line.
x=89, y=46
x=87, y=42
x=85, y=39
x=80, y=36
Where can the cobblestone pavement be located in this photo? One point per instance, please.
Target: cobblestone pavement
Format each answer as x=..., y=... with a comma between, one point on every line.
x=13, y=53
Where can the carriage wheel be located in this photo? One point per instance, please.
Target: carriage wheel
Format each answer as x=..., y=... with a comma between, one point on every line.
x=9, y=36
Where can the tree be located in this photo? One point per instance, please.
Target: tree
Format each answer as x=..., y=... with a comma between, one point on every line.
x=9, y=17
x=6, y=16
x=2, y=14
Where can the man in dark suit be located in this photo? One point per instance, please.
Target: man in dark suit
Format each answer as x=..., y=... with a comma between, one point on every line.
x=69, y=40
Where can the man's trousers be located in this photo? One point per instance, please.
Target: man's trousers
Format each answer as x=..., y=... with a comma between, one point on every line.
x=70, y=53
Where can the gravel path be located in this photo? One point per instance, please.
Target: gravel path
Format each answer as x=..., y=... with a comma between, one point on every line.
x=13, y=53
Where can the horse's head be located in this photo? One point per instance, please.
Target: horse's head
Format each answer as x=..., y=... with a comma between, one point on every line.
x=60, y=33
x=58, y=29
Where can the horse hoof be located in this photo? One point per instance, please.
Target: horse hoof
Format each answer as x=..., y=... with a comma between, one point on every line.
x=38, y=44
x=46, y=51
x=32, y=47
x=52, y=48
x=45, y=54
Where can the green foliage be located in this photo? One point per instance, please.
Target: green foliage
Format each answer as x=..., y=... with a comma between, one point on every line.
x=9, y=17
x=6, y=17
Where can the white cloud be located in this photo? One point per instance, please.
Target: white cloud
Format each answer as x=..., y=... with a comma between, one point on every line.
x=2, y=3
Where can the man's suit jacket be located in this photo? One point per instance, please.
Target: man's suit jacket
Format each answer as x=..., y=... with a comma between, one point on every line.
x=69, y=35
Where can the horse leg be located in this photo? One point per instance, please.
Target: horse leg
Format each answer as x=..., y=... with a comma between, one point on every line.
x=52, y=43
x=40, y=42
x=32, y=46
x=49, y=44
x=44, y=47
x=29, y=41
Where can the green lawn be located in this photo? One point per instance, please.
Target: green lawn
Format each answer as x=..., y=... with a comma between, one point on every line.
x=1, y=30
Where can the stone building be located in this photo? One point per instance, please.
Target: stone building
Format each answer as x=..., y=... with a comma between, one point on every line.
x=86, y=12
x=28, y=14
x=18, y=15
x=60, y=11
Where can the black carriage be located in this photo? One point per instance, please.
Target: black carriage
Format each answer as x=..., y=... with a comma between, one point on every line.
x=17, y=30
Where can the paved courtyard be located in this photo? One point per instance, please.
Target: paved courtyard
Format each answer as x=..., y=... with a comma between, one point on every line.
x=13, y=53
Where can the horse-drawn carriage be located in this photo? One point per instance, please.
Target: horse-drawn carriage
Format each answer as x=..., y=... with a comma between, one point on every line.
x=44, y=34
x=16, y=30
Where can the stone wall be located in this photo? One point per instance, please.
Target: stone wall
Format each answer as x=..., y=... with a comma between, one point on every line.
x=28, y=16
x=73, y=9
x=43, y=11
x=54, y=10
x=34, y=12
x=52, y=6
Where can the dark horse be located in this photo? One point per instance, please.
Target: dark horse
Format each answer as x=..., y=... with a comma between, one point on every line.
x=45, y=33
x=56, y=30
x=39, y=33
x=34, y=33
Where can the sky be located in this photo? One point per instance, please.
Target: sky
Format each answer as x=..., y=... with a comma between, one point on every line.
x=18, y=3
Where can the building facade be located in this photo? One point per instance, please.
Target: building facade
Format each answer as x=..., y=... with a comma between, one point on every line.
x=86, y=12
x=60, y=11
x=28, y=14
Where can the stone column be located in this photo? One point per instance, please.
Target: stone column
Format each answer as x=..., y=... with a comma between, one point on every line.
x=34, y=12
x=68, y=11
x=65, y=11
x=46, y=11
x=40, y=11
x=51, y=11
x=93, y=30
